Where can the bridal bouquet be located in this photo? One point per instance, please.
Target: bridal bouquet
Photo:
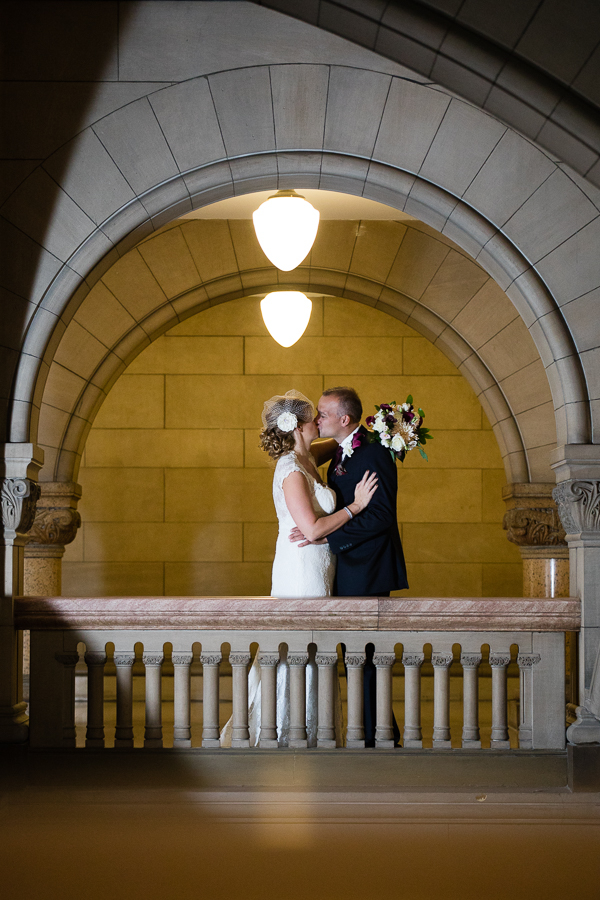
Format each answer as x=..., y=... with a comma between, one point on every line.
x=399, y=428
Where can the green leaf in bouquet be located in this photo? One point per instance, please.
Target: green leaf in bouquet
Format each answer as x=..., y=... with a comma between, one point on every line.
x=423, y=454
x=421, y=413
x=409, y=399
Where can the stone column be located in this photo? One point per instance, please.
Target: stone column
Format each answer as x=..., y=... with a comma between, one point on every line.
x=239, y=666
x=577, y=495
x=297, y=663
x=55, y=525
x=384, y=732
x=355, y=735
x=268, y=700
x=412, y=739
x=441, y=700
x=182, y=727
x=210, y=699
x=327, y=663
x=19, y=492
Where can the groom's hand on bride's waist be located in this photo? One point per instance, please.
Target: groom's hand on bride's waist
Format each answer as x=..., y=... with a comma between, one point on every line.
x=296, y=535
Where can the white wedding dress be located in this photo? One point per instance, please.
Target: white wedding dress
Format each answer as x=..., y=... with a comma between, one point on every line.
x=301, y=571
x=297, y=572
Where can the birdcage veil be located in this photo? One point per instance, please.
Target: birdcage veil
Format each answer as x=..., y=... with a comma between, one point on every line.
x=292, y=403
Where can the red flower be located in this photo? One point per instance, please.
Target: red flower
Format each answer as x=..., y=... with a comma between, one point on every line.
x=357, y=440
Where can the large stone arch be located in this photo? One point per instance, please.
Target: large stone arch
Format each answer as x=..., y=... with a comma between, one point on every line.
x=401, y=268
x=405, y=144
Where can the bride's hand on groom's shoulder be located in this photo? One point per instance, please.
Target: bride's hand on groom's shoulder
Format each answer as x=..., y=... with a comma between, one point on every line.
x=296, y=535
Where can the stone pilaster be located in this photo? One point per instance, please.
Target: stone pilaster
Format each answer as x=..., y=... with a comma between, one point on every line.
x=55, y=525
x=577, y=495
x=19, y=492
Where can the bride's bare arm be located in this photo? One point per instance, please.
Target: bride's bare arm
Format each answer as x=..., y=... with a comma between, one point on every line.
x=297, y=498
x=324, y=450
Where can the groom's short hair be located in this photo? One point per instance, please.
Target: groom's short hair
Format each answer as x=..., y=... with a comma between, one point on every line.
x=348, y=402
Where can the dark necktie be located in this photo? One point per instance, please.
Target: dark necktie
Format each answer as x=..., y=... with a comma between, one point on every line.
x=338, y=455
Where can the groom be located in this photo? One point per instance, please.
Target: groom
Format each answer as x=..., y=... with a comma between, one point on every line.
x=370, y=561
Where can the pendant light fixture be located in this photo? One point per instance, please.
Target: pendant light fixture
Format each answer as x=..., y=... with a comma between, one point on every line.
x=286, y=315
x=286, y=227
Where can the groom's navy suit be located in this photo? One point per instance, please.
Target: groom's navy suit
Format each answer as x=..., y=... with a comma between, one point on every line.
x=370, y=560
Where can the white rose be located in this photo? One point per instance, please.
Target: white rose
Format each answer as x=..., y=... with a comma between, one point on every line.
x=348, y=451
x=287, y=421
x=379, y=425
x=398, y=443
x=385, y=440
x=405, y=407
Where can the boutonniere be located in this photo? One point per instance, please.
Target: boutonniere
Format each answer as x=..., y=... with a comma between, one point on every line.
x=357, y=440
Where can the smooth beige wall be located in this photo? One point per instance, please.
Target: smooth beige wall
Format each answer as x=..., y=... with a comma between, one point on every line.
x=177, y=494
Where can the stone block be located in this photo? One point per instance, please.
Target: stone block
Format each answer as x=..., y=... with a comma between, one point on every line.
x=135, y=141
x=471, y=543
x=110, y=579
x=134, y=285
x=219, y=495
x=443, y=580
x=103, y=316
x=456, y=281
x=193, y=400
x=556, y=210
x=259, y=541
x=122, y=495
x=243, y=104
x=416, y=263
x=254, y=456
x=79, y=351
x=451, y=495
x=410, y=120
x=347, y=318
x=509, y=351
x=527, y=388
x=210, y=244
x=299, y=123
x=376, y=247
x=170, y=261
x=62, y=387
x=492, y=506
x=52, y=425
x=189, y=122
x=579, y=313
x=421, y=357
x=564, y=280
x=363, y=92
x=80, y=166
x=456, y=450
x=150, y=541
x=135, y=401
x=233, y=579
x=325, y=355
x=538, y=426
x=194, y=355
x=185, y=447
x=334, y=245
x=502, y=579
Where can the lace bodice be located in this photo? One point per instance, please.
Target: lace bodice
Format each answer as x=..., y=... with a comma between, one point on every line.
x=323, y=497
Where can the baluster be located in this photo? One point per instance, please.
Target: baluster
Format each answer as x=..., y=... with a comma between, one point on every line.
x=153, y=730
x=355, y=736
x=384, y=733
x=297, y=663
x=124, y=730
x=95, y=660
x=470, y=733
x=268, y=700
x=239, y=664
x=327, y=668
x=412, y=739
x=526, y=663
x=499, y=662
x=210, y=699
x=69, y=661
x=441, y=700
x=182, y=731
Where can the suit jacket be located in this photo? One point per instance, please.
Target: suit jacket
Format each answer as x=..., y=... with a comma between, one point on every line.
x=369, y=553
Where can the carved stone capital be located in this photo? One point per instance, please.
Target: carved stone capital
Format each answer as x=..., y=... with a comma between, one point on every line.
x=210, y=659
x=441, y=660
x=535, y=526
x=268, y=659
x=326, y=659
x=384, y=659
x=95, y=657
x=528, y=660
x=18, y=498
x=56, y=520
x=239, y=659
x=181, y=658
x=579, y=505
x=152, y=659
x=297, y=659
x=470, y=660
x=355, y=660
x=499, y=660
x=67, y=659
x=124, y=660
x=413, y=660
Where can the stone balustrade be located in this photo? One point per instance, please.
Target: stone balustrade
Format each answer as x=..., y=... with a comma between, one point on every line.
x=399, y=629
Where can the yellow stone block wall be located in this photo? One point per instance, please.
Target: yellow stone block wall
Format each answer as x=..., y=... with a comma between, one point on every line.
x=177, y=494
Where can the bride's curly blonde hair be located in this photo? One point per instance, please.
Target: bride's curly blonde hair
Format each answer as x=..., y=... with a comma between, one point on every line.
x=281, y=410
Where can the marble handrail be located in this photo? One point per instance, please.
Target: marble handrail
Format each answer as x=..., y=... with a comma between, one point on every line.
x=448, y=614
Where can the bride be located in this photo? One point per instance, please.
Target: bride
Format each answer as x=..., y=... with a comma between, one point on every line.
x=304, y=501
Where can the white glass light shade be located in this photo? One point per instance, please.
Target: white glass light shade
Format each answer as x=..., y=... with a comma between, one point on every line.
x=286, y=315
x=286, y=227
